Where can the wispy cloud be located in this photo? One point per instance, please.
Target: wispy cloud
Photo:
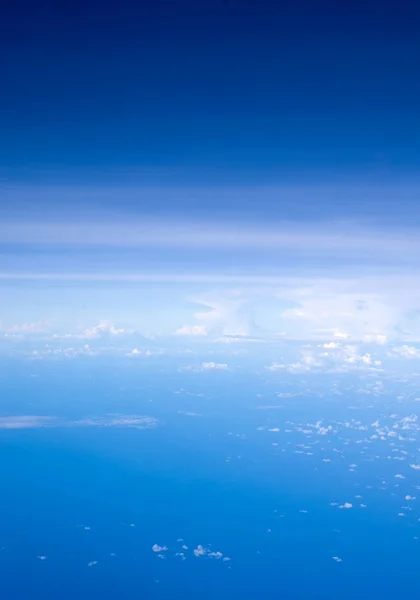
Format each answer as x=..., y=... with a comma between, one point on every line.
x=35, y=421
x=338, y=236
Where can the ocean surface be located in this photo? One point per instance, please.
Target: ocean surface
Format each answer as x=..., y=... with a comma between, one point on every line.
x=123, y=482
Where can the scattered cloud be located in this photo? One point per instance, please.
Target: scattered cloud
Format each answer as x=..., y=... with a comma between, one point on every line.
x=211, y=366
x=330, y=357
x=136, y=352
x=405, y=351
x=200, y=550
x=207, y=366
x=157, y=548
x=102, y=329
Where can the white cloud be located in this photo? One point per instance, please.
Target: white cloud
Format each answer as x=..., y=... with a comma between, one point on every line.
x=211, y=366
x=84, y=350
x=415, y=467
x=228, y=314
x=145, y=353
x=34, y=421
x=405, y=351
x=157, y=548
x=103, y=328
x=331, y=357
x=207, y=366
x=200, y=550
x=27, y=422
x=346, y=505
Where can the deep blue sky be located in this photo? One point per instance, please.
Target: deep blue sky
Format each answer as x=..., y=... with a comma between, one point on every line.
x=205, y=91
x=207, y=144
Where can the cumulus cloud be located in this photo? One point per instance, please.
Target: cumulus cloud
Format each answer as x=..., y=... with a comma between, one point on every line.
x=200, y=550
x=103, y=328
x=330, y=357
x=157, y=548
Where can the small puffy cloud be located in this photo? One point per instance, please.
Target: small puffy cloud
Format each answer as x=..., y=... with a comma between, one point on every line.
x=136, y=352
x=200, y=550
x=192, y=330
x=346, y=505
x=207, y=366
x=157, y=548
x=337, y=559
x=415, y=467
x=104, y=327
x=211, y=366
x=92, y=563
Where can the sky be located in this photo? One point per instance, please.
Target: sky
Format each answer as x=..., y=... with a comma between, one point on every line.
x=209, y=298
x=197, y=172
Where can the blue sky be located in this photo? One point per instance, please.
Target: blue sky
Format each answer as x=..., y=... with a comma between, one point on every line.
x=228, y=169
